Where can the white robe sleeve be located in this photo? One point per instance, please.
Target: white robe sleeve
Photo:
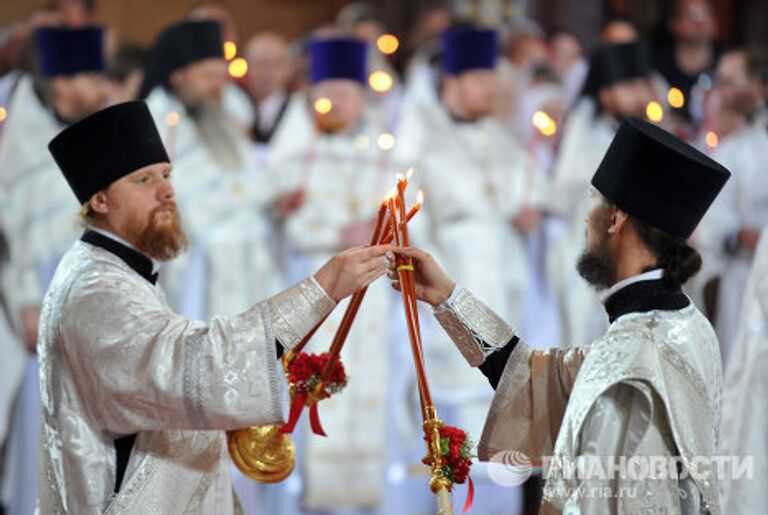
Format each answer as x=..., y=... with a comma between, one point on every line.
x=144, y=367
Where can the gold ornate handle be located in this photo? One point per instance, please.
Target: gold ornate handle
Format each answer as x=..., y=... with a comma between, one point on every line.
x=262, y=453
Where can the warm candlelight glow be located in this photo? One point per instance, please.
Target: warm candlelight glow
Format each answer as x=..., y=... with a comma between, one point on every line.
x=420, y=197
x=399, y=177
x=675, y=98
x=230, y=50
x=386, y=141
x=712, y=139
x=380, y=81
x=654, y=111
x=544, y=123
x=409, y=174
x=172, y=119
x=238, y=68
x=323, y=105
x=387, y=44
x=3, y=114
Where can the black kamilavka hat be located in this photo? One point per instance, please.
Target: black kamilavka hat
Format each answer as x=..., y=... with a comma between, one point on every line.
x=610, y=64
x=658, y=178
x=178, y=46
x=106, y=146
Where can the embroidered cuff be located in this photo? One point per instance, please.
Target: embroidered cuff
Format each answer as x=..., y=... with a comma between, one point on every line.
x=474, y=327
x=297, y=310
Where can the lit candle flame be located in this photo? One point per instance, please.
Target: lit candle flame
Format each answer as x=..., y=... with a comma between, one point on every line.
x=230, y=50
x=3, y=114
x=387, y=44
x=399, y=177
x=380, y=81
x=420, y=197
x=712, y=139
x=323, y=105
x=409, y=173
x=386, y=141
x=544, y=123
x=676, y=98
x=654, y=111
x=172, y=119
x=238, y=68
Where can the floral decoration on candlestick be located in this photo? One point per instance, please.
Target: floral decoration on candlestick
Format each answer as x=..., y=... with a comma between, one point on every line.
x=448, y=448
x=314, y=377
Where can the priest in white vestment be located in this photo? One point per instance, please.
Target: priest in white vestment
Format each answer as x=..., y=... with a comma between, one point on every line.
x=136, y=398
x=38, y=212
x=482, y=193
x=333, y=152
x=224, y=197
x=617, y=86
x=650, y=388
x=745, y=418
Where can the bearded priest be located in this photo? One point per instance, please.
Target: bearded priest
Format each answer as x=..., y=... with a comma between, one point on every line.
x=648, y=391
x=136, y=397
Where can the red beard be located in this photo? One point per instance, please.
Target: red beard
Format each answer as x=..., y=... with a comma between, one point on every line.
x=162, y=241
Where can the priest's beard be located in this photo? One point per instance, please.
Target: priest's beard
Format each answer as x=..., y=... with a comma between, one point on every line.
x=332, y=123
x=217, y=132
x=597, y=265
x=161, y=241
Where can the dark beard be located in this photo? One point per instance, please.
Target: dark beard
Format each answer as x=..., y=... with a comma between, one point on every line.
x=162, y=243
x=597, y=268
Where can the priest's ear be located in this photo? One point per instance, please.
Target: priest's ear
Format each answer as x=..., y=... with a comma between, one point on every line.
x=616, y=220
x=98, y=203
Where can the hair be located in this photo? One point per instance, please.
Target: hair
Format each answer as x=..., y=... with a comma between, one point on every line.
x=87, y=215
x=679, y=260
x=125, y=61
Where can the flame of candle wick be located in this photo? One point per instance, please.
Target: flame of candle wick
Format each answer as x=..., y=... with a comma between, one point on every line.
x=409, y=173
x=420, y=198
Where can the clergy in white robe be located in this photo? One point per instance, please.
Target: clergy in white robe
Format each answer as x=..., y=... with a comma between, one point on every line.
x=223, y=195
x=135, y=396
x=340, y=160
x=745, y=418
x=482, y=190
x=39, y=212
x=650, y=387
x=616, y=87
x=728, y=235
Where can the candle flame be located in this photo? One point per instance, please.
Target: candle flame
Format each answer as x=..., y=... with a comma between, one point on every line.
x=238, y=67
x=676, y=98
x=230, y=50
x=172, y=119
x=420, y=197
x=712, y=139
x=391, y=194
x=409, y=173
x=654, y=111
x=380, y=81
x=387, y=44
x=399, y=177
x=544, y=123
x=3, y=114
x=323, y=105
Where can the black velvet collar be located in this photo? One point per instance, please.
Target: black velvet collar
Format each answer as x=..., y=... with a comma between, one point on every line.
x=140, y=263
x=645, y=296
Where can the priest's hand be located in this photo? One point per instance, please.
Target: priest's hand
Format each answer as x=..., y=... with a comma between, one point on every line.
x=352, y=269
x=527, y=220
x=290, y=202
x=30, y=319
x=433, y=285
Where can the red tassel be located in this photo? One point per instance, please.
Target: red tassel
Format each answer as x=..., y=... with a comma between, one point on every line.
x=470, y=496
x=314, y=421
x=297, y=406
